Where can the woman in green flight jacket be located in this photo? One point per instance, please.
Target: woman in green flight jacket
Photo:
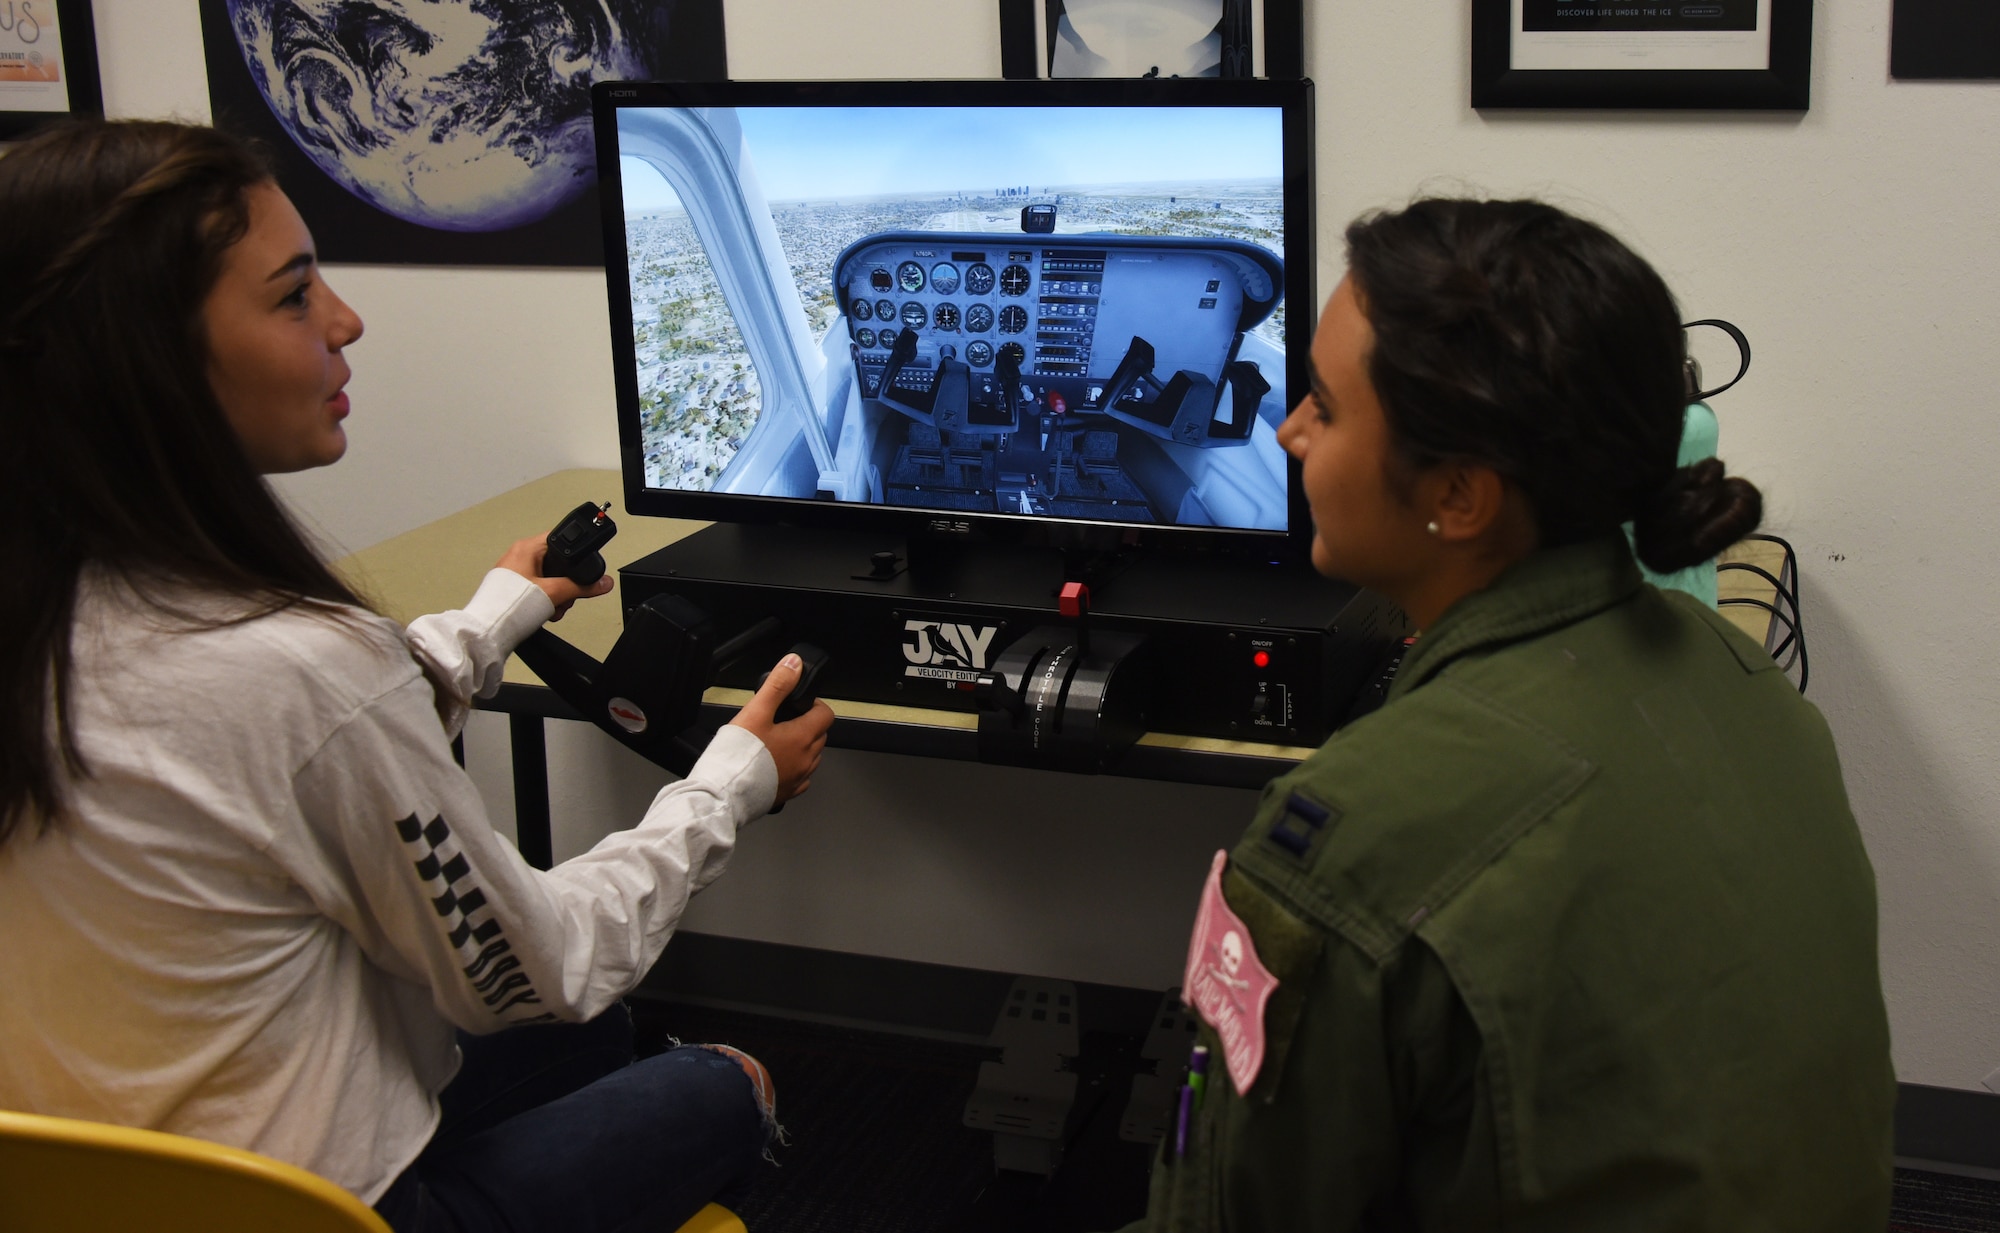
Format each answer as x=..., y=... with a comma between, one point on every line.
x=1577, y=931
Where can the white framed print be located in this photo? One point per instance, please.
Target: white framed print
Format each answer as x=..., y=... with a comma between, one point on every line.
x=48, y=64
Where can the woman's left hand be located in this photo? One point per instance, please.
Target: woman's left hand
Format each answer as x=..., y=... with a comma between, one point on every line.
x=525, y=559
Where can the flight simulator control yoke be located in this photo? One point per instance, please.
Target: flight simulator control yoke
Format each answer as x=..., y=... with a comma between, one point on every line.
x=647, y=693
x=1068, y=693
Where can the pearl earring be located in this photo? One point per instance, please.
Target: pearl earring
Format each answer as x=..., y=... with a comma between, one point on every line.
x=1432, y=527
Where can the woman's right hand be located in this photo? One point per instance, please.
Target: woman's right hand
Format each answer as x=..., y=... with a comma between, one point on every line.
x=796, y=744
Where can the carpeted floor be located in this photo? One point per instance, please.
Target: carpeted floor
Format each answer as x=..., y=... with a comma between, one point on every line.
x=877, y=1142
x=1941, y=1203
x=844, y=1098
x=878, y=1145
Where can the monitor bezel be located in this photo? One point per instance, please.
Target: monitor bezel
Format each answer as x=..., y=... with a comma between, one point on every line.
x=1293, y=99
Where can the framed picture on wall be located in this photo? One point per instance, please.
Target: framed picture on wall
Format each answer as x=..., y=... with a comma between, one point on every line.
x=1944, y=40
x=1708, y=54
x=1151, y=38
x=48, y=64
x=453, y=132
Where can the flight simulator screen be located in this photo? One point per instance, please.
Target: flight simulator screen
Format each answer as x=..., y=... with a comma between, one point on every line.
x=1064, y=312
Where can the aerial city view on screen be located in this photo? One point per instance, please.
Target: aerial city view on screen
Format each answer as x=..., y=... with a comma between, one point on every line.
x=1097, y=340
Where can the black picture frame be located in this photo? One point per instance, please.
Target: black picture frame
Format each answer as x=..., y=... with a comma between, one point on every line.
x=79, y=70
x=1944, y=40
x=1021, y=60
x=1785, y=85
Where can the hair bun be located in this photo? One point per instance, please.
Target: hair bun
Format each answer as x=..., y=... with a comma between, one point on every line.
x=1700, y=511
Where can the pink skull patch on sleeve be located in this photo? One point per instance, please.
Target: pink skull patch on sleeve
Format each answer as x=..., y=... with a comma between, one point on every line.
x=1226, y=983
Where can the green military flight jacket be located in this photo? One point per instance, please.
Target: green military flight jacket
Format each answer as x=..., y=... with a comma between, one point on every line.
x=1575, y=933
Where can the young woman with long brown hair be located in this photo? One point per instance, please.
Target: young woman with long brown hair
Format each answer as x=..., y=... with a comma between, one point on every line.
x=245, y=893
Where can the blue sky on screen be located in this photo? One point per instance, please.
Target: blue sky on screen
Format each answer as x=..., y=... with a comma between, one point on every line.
x=811, y=153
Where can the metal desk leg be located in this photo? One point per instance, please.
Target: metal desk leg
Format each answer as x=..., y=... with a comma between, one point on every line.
x=531, y=789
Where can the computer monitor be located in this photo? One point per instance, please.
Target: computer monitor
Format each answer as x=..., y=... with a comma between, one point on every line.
x=987, y=305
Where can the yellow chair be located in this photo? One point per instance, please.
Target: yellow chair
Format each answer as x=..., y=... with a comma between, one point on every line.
x=63, y=1176
x=713, y=1219
x=58, y=1175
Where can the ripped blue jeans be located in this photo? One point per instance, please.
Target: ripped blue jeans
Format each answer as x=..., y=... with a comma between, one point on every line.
x=557, y=1128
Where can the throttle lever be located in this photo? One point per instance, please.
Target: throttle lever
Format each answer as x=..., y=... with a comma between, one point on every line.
x=796, y=703
x=1073, y=601
x=901, y=353
x=1007, y=374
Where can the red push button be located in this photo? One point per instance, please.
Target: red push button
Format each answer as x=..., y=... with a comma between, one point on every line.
x=1262, y=659
x=1074, y=599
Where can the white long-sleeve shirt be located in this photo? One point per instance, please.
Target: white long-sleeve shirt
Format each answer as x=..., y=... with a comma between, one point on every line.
x=278, y=894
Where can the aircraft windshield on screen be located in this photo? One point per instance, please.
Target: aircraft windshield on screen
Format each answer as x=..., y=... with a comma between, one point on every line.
x=1098, y=336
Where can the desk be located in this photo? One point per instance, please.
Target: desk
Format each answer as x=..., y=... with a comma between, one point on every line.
x=437, y=567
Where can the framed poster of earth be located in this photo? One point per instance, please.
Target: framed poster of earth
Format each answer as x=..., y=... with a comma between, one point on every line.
x=1707, y=54
x=455, y=132
x=48, y=64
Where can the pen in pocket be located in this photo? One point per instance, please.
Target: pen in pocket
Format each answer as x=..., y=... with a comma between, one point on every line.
x=1181, y=1121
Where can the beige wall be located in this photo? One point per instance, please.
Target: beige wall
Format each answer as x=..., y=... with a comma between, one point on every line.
x=1856, y=244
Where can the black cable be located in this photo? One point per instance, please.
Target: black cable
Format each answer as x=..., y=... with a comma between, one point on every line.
x=1783, y=593
x=1790, y=638
x=1791, y=565
x=1793, y=595
x=1790, y=624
